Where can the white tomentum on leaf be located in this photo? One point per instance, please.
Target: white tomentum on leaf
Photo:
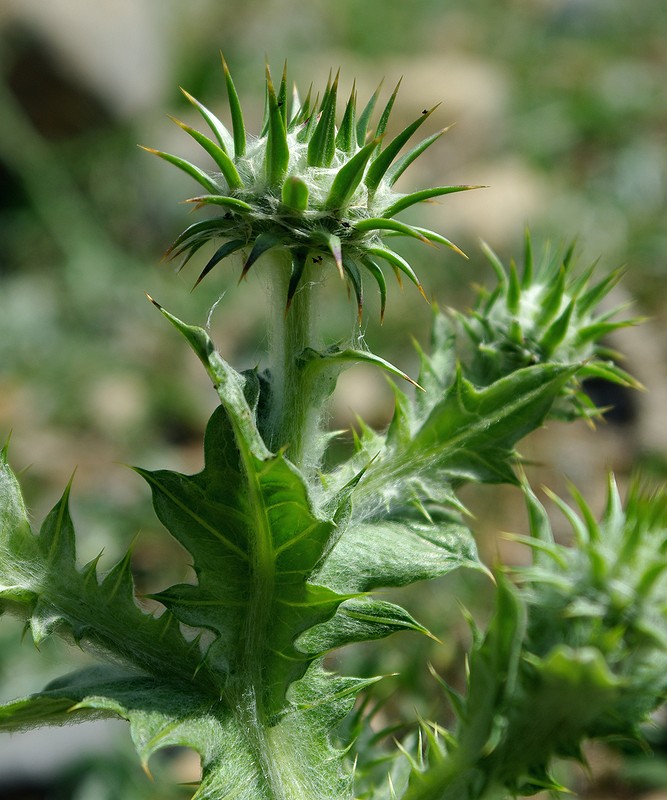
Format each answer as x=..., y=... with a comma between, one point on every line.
x=288, y=549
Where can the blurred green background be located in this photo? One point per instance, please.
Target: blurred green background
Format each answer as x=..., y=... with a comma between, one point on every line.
x=560, y=108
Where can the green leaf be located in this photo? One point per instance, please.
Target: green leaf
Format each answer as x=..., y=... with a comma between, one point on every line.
x=348, y=178
x=39, y=579
x=264, y=242
x=238, y=126
x=384, y=160
x=277, y=149
x=493, y=673
x=309, y=124
x=397, y=550
x=282, y=95
x=398, y=168
x=359, y=620
x=217, y=154
x=346, y=141
x=254, y=540
x=557, y=331
x=299, y=111
x=194, y=172
x=553, y=298
x=352, y=271
x=322, y=144
x=468, y=435
x=386, y=113
x=264, y=538
x=382, y=224
x=419, y=197
x=163, y=715
x=198, y=231
x=232, y=203
x=377, y=273
x=219, y=130
x=299, y=257
x=397, y=261
x=477, y=429
x=366, y=114
x=222, y=252
x=323, y=359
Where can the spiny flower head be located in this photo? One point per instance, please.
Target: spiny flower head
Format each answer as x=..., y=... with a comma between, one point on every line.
x=548, y=314
x=317, y=190
x=577, y=651
x=605, y=599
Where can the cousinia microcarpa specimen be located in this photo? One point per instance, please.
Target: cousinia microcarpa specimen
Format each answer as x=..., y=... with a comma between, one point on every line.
x=289, y=549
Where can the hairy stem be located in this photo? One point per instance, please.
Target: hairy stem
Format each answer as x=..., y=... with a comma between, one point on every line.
x=297, y=397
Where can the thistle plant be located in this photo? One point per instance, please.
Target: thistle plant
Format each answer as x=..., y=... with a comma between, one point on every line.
x=289, y=551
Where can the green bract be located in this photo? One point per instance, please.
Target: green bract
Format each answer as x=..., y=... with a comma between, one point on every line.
x=308, y=186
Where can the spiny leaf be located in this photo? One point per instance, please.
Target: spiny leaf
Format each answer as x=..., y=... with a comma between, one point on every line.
x=195, y=172
x=38, y=575
x=190, y=250
x=306, y=132
x=366, y=114
x=469, y=434
x=219, y=130
x=303, y=112
x=277, y=149
x=220, y=200
x=359, y=620
x=595, y=294
x=217, y=154
x=382, y=224
x=255, y=540
x=238, y=126
x=513, y=294
x=384, y=160
x=612, y=373
x=419, y=197
x=222, y=252
x=264, y=242
x=556, y=332
x=352, y=271
x=399, y=262
x=322, y=145
x=204, y=226
x=386, y=113
x=346, y=140
x=299, y=257
x=497, y=266
x=229, y=384
x=377, y=273
x=390, y=551
x=295, y=108
x=553, y=299
x=432, y=236
x=598, y=330
x=282, y=95
x=57, y=534
x=349, y=177
x=528, y=269
x=350, y=356
x=335, y=247
x=398, y=168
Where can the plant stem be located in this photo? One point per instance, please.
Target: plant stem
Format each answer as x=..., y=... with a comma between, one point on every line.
x=297, y=397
